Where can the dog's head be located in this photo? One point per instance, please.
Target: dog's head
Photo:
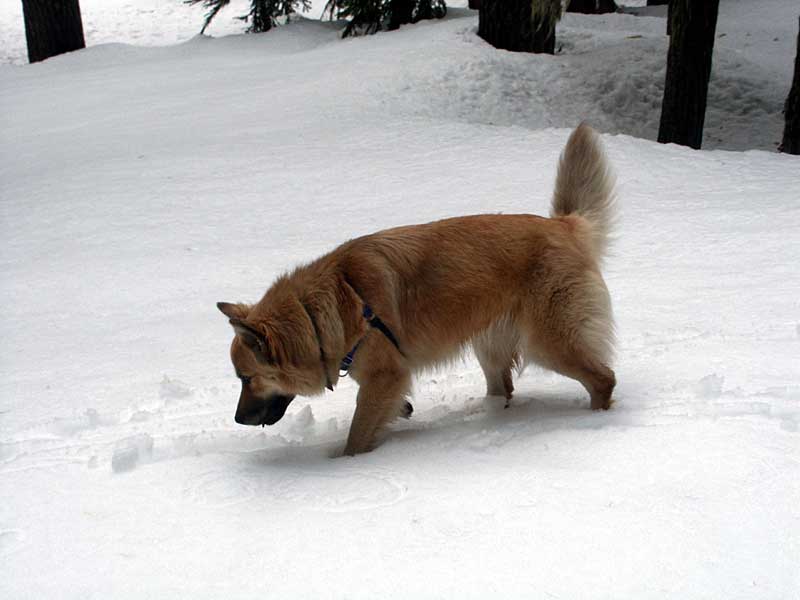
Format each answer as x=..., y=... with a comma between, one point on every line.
x=275, y=359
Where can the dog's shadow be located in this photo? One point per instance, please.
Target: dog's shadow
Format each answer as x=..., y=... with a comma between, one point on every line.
x=524, y=414
x=478, y=422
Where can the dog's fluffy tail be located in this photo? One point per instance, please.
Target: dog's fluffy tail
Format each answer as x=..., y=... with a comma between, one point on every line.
x=585, y=187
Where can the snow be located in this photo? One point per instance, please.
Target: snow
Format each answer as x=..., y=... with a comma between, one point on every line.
x=141, y=22
x=141, y=185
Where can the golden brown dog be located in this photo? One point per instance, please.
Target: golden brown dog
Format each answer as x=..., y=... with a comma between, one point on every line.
x=518, y=288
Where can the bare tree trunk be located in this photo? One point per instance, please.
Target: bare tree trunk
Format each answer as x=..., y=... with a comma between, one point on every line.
x=791, y=131
x=510, y=25
x=506, y=25
x=401, y=13
x=592, y=7
x=691, y=48
x=52, y=27
x=670, y=4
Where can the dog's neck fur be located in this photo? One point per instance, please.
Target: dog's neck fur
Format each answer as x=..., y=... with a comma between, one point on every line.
x=332, y=315
x=322, y=359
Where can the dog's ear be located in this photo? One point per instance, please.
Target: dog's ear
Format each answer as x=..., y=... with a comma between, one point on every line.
x=254, y=339
x=234, y=311
x=249, y=334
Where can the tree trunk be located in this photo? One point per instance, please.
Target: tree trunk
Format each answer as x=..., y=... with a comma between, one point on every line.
x=508, y=25
x=670, y=4
x=691, y=47
x=401, y=12
x=791, y=132
x=52, y=27
x=592, y=7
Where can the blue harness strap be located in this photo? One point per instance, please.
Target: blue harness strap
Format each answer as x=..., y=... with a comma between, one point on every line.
x=347, y=361
x=374, y=321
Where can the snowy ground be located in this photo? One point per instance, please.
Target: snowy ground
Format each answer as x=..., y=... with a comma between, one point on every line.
x=142, y=185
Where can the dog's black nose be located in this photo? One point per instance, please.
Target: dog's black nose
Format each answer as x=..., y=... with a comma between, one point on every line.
x=252, y=418
x=267, y=413
x=275, y=409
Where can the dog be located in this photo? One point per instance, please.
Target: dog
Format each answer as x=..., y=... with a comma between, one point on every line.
x=518, y=289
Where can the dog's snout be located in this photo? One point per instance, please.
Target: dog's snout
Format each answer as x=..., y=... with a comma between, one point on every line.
x=253, y=418
x=266, y=412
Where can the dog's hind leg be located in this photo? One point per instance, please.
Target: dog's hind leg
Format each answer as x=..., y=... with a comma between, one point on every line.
x=601, y=384
x=575, y=337
x=381, y=399
x=597, y=378
x=407, y=410
x=497, y=352
x=577, y=361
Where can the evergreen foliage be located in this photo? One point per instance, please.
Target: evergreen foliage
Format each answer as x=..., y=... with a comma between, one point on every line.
x=263, y=13
x=363, y=16
x=545, y=14
x=370, y=16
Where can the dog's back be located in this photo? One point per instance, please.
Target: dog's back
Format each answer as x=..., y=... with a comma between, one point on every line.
x=520, y=282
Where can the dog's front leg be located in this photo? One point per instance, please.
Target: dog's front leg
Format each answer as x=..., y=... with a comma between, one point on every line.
x=381, y=399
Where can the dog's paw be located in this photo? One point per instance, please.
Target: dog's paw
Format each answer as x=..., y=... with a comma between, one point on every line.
x=408, y=408
x=602, y=403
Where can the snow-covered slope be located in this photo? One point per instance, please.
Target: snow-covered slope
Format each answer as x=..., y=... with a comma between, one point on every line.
x=142, y=185
x=610, y=69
